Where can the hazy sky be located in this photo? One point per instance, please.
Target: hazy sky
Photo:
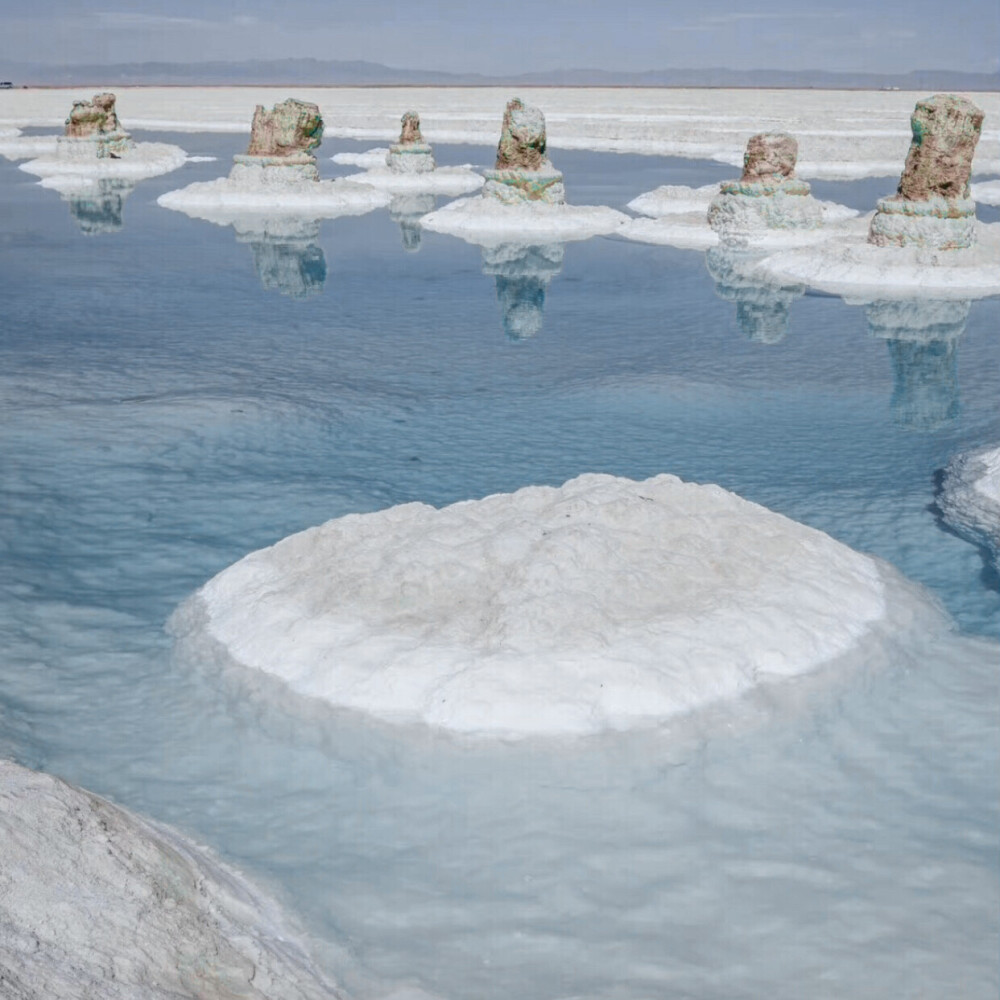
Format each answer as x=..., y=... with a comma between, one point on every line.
x=494, y=36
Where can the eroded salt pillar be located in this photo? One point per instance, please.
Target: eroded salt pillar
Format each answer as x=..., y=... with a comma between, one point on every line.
x=768, y=195
x=523, y=171
x=932, y=207
x=410, y=155
x=281, y=147
x=93, y=131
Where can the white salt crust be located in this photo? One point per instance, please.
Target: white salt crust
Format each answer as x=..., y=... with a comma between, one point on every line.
x=987, y=192
x=96, y=902
x=604, y=603
x=486, y=221
x=14, y=146
x=450, y=181
x=842, y=134
x=366, y=160
x=144, y=160
x=852, y=267
x=225, y=200
x=690, y=230
x=970, y=496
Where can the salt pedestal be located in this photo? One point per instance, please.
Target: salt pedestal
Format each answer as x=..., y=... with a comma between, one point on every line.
x=281, y=144
x=523, y=173
x=94, y=132
x=932, y=207
x=410, y=155
x=767, y=196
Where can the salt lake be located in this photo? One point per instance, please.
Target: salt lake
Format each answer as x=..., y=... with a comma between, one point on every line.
x=177, y=394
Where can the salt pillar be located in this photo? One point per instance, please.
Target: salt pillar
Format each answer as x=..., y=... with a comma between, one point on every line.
x=281, y=147
x=767, y=196
x=410, y=155
x=932, y=207
x=523, y=172
x=93, y=131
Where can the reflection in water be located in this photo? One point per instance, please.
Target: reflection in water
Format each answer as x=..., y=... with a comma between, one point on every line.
x=95, y=203
x=922, y=336
x=523, y=272
x=286, y=253
x=762, y=306
x=406, y=209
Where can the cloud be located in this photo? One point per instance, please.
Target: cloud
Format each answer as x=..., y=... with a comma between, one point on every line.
x=131, y=19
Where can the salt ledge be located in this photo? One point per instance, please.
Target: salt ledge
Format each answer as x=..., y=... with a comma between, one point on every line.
x=486, y=221
x=852, y=267
x=451, y=181
x=602, y=604
x=144, y=160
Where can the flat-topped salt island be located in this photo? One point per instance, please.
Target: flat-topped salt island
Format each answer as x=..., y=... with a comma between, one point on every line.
x=602, y=604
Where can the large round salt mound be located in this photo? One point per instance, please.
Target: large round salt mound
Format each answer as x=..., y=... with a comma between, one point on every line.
x=604, y=603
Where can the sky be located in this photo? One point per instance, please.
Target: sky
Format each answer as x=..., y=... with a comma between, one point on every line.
x=514, y=36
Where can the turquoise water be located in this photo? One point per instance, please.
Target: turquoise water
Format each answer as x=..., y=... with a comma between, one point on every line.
x=174, y=397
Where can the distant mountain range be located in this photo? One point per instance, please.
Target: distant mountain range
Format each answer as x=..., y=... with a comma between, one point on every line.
x=316, y=72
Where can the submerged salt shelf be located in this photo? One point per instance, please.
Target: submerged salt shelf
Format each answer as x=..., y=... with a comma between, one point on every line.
x=854, y=268
x=486, y=221
x=105, y=904
x=605, y=603
x=970, y=497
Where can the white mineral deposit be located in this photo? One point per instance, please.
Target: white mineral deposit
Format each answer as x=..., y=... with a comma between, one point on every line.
x=96, y=902
x=277, y=174
x=602, y=604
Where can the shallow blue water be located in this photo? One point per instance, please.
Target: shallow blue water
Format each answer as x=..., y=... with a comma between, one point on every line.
x=166, y=409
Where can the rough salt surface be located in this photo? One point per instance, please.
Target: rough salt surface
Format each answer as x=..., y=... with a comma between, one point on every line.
x=485, y=221
x=854, y=268
x=604, y=603
x=96, y=902
x=144, y=160
x=987, y=192
x=679, y=219
x=450, y=181
x=227, y=198
x=970, y=497
x=366, y=160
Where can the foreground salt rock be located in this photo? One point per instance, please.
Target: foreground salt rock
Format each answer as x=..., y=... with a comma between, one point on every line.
x=969, y=498
x=932, y=207
x=277, y=174
x=96, y=902
x=95, y=145
x=767, y=207
x=604, y=603
x=523, y=199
